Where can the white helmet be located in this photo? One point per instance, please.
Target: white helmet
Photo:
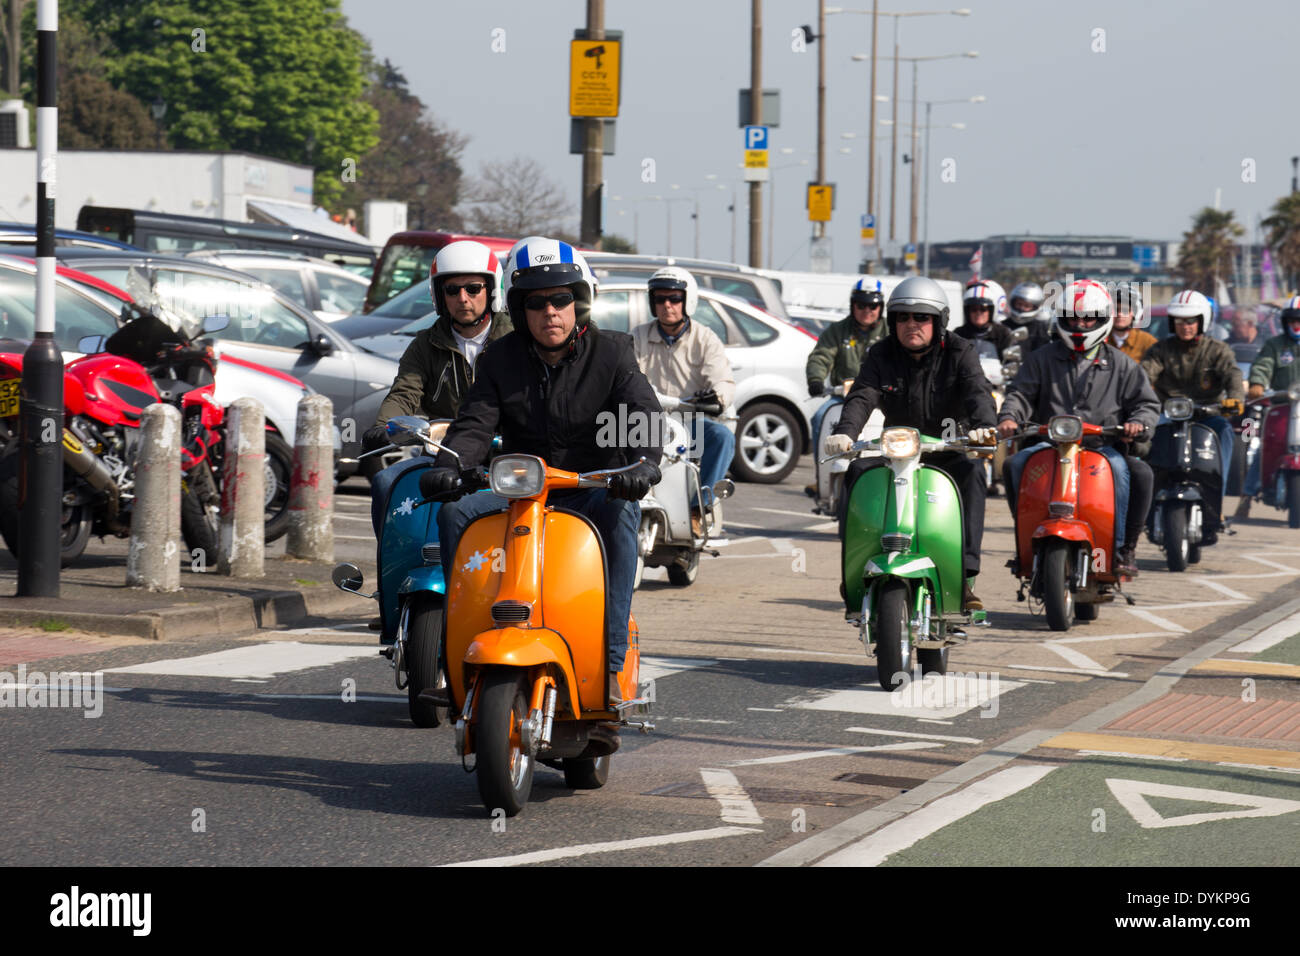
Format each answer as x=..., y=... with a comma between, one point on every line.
x=677, y=279
x=1084, y=298
x=540, y=263
x=1128, y=295
x=1031, y=294
x=986, y=293
x=465, y=257
x=1190, y=304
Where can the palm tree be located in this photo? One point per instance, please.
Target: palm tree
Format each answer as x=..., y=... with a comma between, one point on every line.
x=1284, y=236
x=1208, y=249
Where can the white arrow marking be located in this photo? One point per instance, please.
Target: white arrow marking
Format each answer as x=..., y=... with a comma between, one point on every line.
x=726, y=789
x=1131, y=795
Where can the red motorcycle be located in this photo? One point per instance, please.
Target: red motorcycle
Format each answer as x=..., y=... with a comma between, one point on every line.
x=1065, y=523
x=104, y=397
x=1279, y=452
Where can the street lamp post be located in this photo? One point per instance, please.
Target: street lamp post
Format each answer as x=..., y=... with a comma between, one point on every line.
x=925, y=234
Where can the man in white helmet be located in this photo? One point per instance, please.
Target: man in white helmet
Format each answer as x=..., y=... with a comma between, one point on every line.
x=1081, y=375
x=1026, y=310
x=1132, y=341
x=686, y=359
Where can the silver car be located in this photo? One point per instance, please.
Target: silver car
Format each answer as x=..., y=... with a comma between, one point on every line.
x=319, y=286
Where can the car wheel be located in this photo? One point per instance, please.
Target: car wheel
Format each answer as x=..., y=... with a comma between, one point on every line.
x=768, y=443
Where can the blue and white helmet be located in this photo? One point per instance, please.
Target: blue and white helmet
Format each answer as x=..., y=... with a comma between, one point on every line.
x=1291, y=312
x=536, y=262
x=868, y=292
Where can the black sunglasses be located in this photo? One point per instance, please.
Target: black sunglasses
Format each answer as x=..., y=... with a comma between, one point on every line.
x=676, y=298
x=473, y=288
x=558, y=299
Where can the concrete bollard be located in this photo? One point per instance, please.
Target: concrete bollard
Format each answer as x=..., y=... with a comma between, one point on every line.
x=311, y=488
x=242, y=542
x=154, y=559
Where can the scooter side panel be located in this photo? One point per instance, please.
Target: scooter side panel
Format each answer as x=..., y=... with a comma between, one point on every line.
x=863, y=525
x=1096, y=503
x=405, y=531
x=573, y=600
x=472, y=590
x=940, y=531
x=1273, y=447
x=1036, y=490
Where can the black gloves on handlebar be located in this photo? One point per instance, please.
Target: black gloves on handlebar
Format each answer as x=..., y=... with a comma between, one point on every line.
x=630, y=485
x=706, y=396
x=441, y=484
x=375, y=437
x=816, y=388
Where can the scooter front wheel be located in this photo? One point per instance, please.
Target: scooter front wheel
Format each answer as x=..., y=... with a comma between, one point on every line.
x=1058, y=598
x=893, y=636
x=505, y=768
x=1293, y=499
x=1176, y=544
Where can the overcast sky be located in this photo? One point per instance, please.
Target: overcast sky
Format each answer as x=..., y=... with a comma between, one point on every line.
x=1129, y=141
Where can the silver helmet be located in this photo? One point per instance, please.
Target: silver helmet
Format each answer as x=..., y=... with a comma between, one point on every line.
x=1026, y=304
x=918, y=294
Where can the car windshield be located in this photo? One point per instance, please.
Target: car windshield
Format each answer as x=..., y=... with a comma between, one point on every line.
x=401, y=267
x=416, y=302
x=77, y=316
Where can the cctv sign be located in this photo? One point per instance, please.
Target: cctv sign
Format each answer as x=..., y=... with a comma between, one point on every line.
x=594, y=77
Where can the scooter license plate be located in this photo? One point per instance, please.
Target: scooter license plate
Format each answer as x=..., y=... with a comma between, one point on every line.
x=9, y=397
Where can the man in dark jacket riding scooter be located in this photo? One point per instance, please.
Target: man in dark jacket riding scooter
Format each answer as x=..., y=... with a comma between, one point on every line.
x=551, y=388
x=924, y=377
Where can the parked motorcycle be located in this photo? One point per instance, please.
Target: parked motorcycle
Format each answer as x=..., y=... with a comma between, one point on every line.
x=828, y=486
x=667, y=536
x=903, y=548
x=1066, y=523
x=1279, y=451
x=411, y=591
x=1185, y=459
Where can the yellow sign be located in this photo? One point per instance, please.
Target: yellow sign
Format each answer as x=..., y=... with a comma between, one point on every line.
x=593, y=77
x=821, y=198
x=756, y=159
x=868, y=235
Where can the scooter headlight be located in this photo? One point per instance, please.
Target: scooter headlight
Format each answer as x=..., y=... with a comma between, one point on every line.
x=1178, y=409
x=1065, y=428
x=1293, y=392
x=900, y=442
x=517, y=476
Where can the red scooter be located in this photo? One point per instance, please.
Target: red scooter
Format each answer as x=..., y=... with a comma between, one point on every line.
x=1065, y=523
x=1279, y=452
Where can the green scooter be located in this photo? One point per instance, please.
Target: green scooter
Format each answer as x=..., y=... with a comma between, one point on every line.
x=903, y=546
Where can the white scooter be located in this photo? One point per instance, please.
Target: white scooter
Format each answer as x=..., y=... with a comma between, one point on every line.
x=667, y=537
x=830, y=475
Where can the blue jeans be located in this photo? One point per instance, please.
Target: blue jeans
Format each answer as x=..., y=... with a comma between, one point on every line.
x=1015, y=466
x=717, y=447
x=616, y=520
x=1254, y=473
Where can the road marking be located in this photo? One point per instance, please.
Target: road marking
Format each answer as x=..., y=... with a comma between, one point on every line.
x=1074, y=657
x=1176, y=607
x=1266, y=638
x=726, y=789
x=1270, y=668
x=260, y=660
x=1120, y=753
x=1132, y=794
x=698, y=720
x=767, y=710
x=653, y=667
x=895, y=837
x=824, y=526
x=1156, y=619
x=1223, y=589
x=905, y=733
x=937, y=696
x=778, y=511
x=835, y=752
x=376, y=698
x=1093, y=638
x=1065, y=670
x=354, y=537
x=1270, y=564
x=339, y=517
x=792, y=650
x=931, y=720
x=1152, y=746
x=783, y=546
x=336, y=629
x=615, y=846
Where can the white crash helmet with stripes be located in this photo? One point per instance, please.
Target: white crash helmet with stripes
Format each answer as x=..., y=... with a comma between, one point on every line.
x=1190, y=304
x=536, y=262
x=1290, y=313
x=674, y=278
x=465, y=258
x=986, y=293
x=868, y=291
x=1084, y=298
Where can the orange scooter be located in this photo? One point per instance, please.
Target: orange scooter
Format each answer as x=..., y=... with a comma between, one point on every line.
x=1065, y=523
x=526, y=648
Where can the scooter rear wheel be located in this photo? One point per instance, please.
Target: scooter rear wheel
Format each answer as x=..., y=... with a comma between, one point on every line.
x=679, y=576
x=1087, y=612
x=1293, y=499
x=423, y=642
x=1058, y=599
x=1176, y=544
x=893, y=636
x=505, y=769
x=586, y=774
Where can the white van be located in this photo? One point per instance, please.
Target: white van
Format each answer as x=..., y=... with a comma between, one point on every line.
x=830, y=290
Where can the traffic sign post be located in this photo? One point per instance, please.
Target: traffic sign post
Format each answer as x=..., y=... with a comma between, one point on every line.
x=868, y=229
x=821, y=201
x=757, y=168
x=594, y=77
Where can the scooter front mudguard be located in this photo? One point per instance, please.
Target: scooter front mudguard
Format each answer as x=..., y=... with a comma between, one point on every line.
x=425, y=579
x=526, y=648
x=1068, y=529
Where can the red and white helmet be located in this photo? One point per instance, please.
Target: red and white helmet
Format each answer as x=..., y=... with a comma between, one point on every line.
x=465, y=257
x=986, y=292
x=1084, y=298
x=1190, y=304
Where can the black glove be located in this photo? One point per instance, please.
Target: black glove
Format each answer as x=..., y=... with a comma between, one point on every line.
x=635, y=484
x=706, y=396
x=375, y=437
x=816, y=388
x=441, y=484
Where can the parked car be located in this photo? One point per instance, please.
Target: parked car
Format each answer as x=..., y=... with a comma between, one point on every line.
x=24, y=234
x=322, y=288
x=415, y=303
x=265, y=328
x=725, y=277
x=407, y=256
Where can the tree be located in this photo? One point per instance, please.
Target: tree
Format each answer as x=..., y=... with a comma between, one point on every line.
x=1284, y=237
x=11, y=33
x=92, y=114
x=613, y=243
x=417, y=159
x=262, y=76
x=1208, y=249
x=514, y=198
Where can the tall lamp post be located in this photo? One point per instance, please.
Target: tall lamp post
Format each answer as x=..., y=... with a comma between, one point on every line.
x=771, y=198
x=925, y=233
x=914, y=159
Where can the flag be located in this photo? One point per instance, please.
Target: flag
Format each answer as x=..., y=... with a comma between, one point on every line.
x=1267, y=278
x=976, y=261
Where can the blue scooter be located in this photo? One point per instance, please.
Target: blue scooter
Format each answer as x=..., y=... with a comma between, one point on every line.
x=411, y=587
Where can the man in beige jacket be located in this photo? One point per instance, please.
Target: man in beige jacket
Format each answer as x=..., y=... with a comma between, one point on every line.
x=686, y=360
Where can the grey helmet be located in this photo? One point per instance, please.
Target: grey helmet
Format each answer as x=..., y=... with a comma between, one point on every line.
x=1031, y=294
x=918, y=294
